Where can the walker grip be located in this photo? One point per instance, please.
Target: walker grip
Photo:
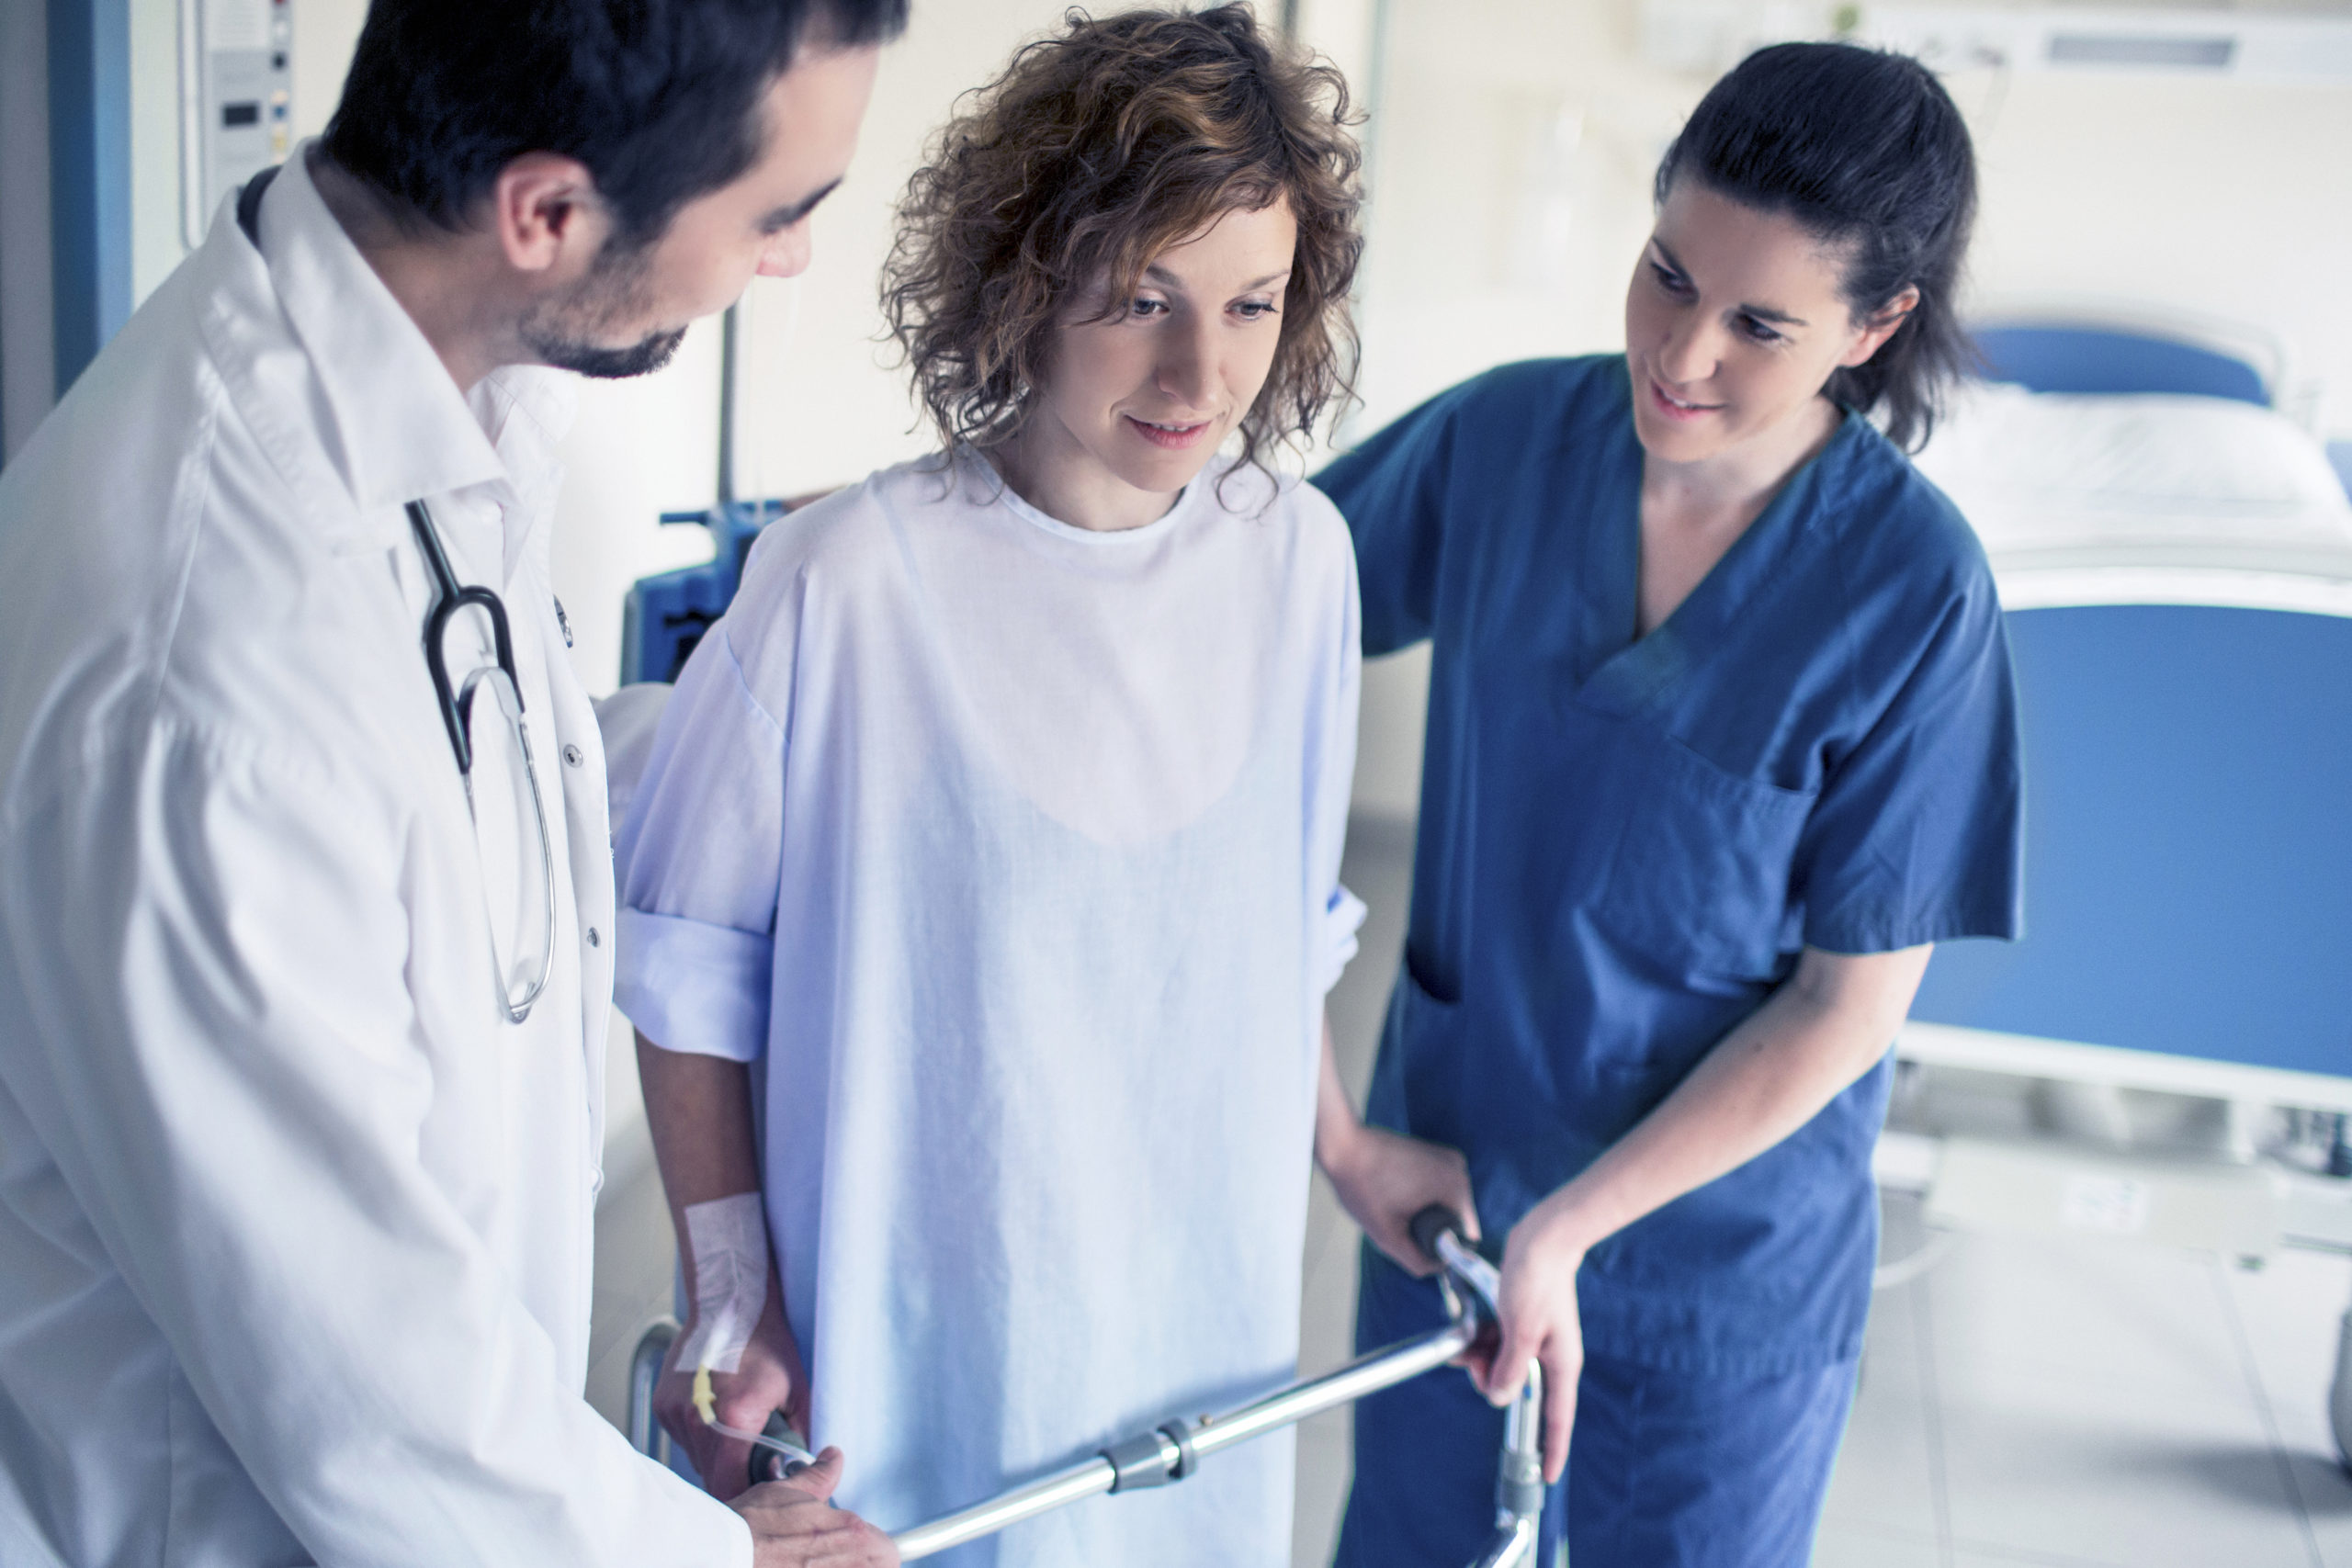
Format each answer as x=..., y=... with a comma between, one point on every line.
x=1432, y=1222
x=767, y=1463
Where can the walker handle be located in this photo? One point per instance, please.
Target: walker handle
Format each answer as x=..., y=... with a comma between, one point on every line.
x=1434, y=1221
x=769, y=1465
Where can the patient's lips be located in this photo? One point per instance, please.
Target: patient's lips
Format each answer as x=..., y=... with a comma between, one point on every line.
x=1175, y=435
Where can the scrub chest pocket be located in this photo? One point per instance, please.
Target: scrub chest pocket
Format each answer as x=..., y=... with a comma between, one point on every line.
x=1700, y=878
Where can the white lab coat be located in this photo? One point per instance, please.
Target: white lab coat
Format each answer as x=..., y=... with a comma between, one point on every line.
x=295, y=1228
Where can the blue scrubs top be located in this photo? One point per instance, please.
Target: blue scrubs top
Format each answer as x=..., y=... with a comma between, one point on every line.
x=1625, y=842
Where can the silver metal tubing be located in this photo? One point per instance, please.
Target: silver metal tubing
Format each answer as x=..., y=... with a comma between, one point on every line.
x=1079, y=1480
x=1514, y=1545
x=1519, y=1479
x=1309, y=1396
x=1473, y=1271
x=645, y=1433
x=1366, y=1374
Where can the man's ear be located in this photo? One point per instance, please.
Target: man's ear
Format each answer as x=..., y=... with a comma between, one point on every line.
x=547, y=214
x=1881, y=327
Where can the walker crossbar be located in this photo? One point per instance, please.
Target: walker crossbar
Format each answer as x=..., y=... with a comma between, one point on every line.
x=1170, y=1451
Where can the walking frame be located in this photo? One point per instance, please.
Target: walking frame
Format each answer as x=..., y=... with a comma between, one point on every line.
x=1173, y=1449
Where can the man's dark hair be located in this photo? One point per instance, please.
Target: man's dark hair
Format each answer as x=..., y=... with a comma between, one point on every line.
x=659, y=98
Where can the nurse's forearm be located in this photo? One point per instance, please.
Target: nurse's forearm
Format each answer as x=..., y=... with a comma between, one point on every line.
x=700, y=1111
x=1826, y=1027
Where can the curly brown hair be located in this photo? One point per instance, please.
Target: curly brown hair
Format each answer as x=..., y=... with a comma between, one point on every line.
x=1093, y=152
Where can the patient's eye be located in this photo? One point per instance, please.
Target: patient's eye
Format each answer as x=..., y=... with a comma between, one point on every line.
x=1669, y=279
x=1144, y=306
x=1255, y=309
x=1758, y=332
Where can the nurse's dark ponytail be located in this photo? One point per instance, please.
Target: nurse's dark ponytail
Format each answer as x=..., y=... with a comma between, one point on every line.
x=1866, y=151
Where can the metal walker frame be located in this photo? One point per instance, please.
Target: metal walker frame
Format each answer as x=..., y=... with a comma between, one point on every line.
x=1173, y=1449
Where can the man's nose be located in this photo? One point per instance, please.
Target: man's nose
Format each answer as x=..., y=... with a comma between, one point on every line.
x=786, y=255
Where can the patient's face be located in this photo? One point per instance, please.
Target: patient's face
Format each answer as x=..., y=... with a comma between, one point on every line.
x=1734, y=320
x=1143, y=400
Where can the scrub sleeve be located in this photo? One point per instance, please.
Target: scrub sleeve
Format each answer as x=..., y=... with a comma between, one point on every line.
x=1624, y=844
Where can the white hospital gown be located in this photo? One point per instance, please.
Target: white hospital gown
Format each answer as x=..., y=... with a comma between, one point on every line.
x=1013, y=850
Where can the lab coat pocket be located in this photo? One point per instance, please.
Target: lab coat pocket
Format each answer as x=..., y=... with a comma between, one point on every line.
x=1700, y=878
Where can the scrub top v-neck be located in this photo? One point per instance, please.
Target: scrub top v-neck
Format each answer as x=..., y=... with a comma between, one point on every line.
x=1626, y=840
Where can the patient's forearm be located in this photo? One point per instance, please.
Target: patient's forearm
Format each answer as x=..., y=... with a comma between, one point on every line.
x=700, y=1111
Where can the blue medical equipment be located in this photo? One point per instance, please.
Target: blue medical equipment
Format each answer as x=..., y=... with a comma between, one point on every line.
x=2110, y=360
x=2187, y=737
x=665, y=615
x=2188, y=838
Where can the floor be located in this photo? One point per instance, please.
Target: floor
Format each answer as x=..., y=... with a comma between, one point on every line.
x=2022, y=1402
x=2059, y=1405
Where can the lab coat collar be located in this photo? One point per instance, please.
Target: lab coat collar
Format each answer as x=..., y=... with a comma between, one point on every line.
x=401, y=428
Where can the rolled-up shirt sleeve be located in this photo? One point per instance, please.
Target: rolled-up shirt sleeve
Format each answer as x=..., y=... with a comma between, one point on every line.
x=696, y=865
x=1343, y=916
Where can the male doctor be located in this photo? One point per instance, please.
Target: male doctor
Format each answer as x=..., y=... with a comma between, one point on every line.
x=301, y=1034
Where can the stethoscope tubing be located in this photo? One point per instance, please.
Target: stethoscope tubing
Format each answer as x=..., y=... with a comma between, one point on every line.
x=456, y=712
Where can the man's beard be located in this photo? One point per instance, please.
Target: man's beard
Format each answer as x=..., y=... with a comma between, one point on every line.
x=560, y=331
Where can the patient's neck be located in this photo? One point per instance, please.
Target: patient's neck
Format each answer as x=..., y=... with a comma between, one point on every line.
x=1053, y=470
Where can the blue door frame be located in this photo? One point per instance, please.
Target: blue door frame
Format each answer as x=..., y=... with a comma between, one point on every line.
x=89, y=178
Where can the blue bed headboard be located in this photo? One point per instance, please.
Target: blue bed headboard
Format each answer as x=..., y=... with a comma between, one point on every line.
x=2189, y=841
x=2050, y=358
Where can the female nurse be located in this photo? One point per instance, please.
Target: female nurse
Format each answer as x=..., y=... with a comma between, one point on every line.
x=1721, y=741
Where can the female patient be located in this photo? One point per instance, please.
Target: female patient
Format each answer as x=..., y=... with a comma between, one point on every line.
x=1000, y=819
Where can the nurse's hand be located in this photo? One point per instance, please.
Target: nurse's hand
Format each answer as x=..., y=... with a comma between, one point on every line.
x=794, y=1527
x=1383, y=1179
x=769, y=1378
x=1540, y=1324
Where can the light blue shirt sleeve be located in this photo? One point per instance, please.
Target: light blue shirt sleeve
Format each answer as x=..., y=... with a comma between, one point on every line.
x=1331, y=770
x=696, y=862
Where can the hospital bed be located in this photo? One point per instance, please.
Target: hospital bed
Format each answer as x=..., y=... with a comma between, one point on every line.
x=2175, y=559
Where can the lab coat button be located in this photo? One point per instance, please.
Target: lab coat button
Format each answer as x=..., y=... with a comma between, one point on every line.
x=593, y=939
x=571, y=756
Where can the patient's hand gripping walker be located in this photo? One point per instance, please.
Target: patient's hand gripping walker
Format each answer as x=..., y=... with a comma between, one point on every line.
x=1171, y=1451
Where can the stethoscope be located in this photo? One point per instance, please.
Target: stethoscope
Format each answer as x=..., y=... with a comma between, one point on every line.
x=456, y=704
x=457, y=713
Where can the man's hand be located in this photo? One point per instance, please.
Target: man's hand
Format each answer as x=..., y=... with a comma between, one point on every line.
x=769, y=1378
x=794, y=1527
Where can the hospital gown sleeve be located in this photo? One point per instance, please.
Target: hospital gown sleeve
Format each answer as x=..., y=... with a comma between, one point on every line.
x=1395, y=490
x=698, y=856
x=220, y=1024
x=1917, y=835
x=1332, y=761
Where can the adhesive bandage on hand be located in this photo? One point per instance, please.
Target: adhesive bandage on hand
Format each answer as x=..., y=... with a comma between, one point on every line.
x=729, y=1237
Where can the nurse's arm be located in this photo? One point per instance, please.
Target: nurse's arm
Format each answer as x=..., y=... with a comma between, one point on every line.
x=1826, y=1026
x=700, y=1111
